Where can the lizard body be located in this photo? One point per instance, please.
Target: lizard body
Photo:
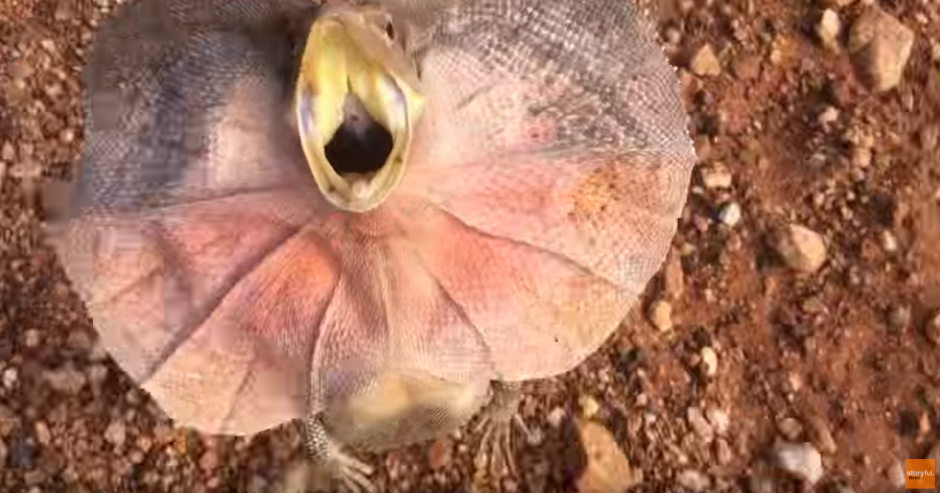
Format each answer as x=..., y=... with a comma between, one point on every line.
x=539, y=193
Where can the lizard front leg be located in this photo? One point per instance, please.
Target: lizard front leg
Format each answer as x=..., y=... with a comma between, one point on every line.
x=497, y=421
x=327, y=459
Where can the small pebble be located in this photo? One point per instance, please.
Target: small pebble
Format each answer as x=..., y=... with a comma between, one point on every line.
x=97, y=373
x=699, y=424
x=929, y=137
x=67, y=136
x=7, y=151
x=795, y=380
x=730, y=214
x=802, y=460
x=66, y=380
x=53, y=91
x=861, y=157
x=607, y=468
x=801, y=248
x=817, y=161
x=899, y=318
x=881, y=45
x=828, y=116
x=10, y=377
x=705, y=63
x=144, y=444
x=723, y=453
x=31, y=338
x=440, y=453
x=589, y=406
x=80, y=340
x=673, y=36
x=660, y=315
x=48, y=45
x=716, y=177
x=556, y=417
x=116, y=433
x=923, y=424
x=746, y=67
x=20, y=70
x=819, y=433
x=693, y=480
x=673, y=276
x=829, y=28
x=709, y=361
x=43, y=435
x=889, y=242
x=790, y=428
x=719, y=420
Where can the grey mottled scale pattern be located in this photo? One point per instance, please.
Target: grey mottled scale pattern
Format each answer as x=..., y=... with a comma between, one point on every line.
x=150, y=113
x=624, y=98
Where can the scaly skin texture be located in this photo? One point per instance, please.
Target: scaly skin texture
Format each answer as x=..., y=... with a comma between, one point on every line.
x=542, y=190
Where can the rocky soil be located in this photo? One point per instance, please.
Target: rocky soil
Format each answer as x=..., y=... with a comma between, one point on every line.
x=791, y=342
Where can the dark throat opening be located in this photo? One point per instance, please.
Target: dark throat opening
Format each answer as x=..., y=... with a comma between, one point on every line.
x=360, y=145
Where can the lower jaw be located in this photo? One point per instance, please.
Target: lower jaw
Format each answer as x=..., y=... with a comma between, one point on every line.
x=364, y=192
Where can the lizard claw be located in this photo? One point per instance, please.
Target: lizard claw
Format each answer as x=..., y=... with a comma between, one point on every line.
x=351, y=474
x=495, y=450
x=332, y=464
x=497, y=423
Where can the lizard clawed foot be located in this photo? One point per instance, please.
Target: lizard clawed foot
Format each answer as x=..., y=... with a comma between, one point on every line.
x=352, y=473
x=496, y=444
x=497, y=423
x=331, y=463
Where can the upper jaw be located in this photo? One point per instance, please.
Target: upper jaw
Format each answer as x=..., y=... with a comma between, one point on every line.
x=346, y=54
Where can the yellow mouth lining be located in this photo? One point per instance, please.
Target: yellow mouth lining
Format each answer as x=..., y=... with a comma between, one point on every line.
x=341, y=60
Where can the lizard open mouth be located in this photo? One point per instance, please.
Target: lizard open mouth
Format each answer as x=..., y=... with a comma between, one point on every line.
x=361, y=145
x=356, y=102
x=355, y=145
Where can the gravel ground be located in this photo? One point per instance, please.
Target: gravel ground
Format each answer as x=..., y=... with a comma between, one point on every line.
x=789, y=344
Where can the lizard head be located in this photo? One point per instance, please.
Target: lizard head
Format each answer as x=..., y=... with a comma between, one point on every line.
x=356, y=100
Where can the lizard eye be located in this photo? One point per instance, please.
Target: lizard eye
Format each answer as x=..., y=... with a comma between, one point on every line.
x=390, y=30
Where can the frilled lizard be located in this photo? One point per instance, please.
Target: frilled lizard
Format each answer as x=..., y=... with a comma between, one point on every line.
x=366, y=216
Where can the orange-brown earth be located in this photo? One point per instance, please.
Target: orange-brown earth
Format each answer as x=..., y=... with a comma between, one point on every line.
x=843, y=358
